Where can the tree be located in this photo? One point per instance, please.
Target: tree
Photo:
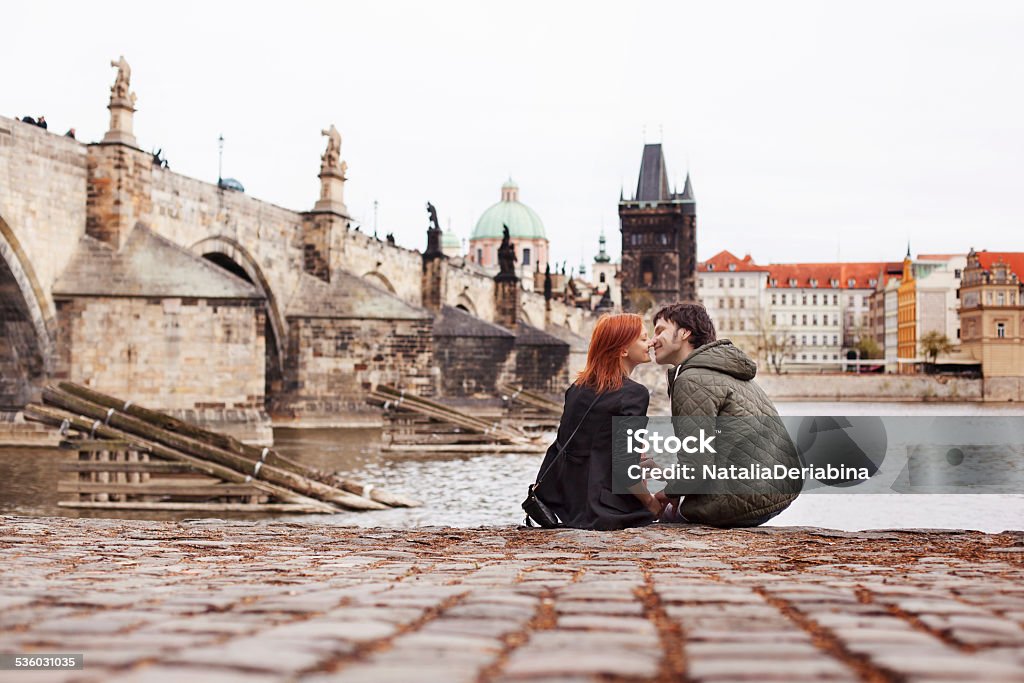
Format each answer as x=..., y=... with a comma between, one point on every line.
x=773, y=342
x=933, y=343
x=869, y=348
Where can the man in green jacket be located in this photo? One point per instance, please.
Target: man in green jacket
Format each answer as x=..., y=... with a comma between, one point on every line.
x=712, y=380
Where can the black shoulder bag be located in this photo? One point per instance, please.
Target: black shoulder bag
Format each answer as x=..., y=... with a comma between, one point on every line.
x=536, y=511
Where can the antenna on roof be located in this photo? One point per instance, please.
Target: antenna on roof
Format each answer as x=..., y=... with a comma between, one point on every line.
x=375, y=216
x=220, y=159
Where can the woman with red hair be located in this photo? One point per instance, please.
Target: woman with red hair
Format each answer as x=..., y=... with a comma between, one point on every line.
x=577, y=484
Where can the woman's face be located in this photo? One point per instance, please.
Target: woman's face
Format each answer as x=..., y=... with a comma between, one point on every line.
x=638, y=351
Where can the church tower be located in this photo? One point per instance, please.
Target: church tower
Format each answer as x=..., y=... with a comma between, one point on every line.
x=659, y=239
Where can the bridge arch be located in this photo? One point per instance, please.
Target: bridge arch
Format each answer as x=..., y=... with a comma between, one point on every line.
x=377, y=277
x=27, y=324
x=233, y=257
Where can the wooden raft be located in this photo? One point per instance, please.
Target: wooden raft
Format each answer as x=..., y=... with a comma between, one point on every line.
x=130, y=457
x=414, y=424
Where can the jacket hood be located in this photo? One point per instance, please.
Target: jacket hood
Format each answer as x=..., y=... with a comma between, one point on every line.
x=722, y=356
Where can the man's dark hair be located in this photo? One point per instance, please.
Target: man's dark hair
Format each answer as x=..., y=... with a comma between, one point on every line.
x=692, y=317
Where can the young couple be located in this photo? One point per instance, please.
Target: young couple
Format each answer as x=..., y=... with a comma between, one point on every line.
x=707, y=378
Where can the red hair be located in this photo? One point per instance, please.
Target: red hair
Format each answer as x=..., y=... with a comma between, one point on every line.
x=611, y=335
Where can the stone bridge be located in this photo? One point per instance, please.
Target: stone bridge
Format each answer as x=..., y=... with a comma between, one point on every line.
x=199, y=299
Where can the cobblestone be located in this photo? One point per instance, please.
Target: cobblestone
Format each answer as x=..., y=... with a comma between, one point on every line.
x=296, y=602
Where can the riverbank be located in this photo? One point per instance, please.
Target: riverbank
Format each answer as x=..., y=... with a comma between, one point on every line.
x=291, y=601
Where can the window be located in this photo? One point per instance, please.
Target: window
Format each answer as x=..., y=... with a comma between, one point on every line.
x=742, y=282
x=773, y=319
x=741, y=326
x=773, y=300
x=835, y=299
x=732, y=282
x=803, y=341
x=479, y=255
x=851, y=282
x=814, y=356
x=814, y=319
x=783, y=299
x=792, y=339
x=721, y=282
x=526, y=256
x=803, y=356
x=732, y=266
x=956, y=273
x=721, y=303
x=835, y=339
x=850, y=302
x=742, y=300
x=804, y=320
x=814, y=340
x=648, y=276
x=602, y=277
x=794, y=319
x=824, y=319
x=1000, y=299
x=711, y=266
x=814, y=299
x=803, y=299
x=1001, y=330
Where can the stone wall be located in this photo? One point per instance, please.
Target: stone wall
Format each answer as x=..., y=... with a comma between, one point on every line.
x=331, y=364
x=197, y=358
x=474, y=367
x=851, y=387
x=1004, y=388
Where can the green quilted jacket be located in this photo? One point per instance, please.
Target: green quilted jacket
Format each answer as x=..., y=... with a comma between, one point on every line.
x=716, y=381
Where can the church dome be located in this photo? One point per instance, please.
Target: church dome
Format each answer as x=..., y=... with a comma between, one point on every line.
x=450, y=240
x=522, y=221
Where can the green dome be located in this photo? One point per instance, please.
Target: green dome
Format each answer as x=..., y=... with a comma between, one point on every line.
x=522, y=221
x=450, y=239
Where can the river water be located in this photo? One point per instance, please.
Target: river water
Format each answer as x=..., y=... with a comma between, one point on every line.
x=477, y=490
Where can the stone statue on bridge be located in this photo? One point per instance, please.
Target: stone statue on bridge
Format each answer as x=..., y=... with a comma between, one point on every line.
x=331, y=158
x=332, y=175
x=434, y=225
x=123, y=81
x=122, y=105
x=506, y=254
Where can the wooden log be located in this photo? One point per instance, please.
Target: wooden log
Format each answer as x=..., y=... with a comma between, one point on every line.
x=86, y=445
x=230, y=444
x=531, y=399
x=158, y=489
x=204, y=507
x=153, y=467
x=56, y=417
x=276, y=475
x=428, y=406
x=493, y=430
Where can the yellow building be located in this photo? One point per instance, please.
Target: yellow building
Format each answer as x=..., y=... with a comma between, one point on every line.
x=992, y=312
x=906, y=331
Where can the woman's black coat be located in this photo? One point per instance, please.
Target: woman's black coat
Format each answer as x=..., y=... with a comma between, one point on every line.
x=578, y=488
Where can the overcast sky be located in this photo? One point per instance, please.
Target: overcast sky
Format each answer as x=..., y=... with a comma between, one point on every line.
x=812, y=130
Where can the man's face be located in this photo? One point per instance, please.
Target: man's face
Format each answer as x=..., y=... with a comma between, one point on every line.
x=667, y=342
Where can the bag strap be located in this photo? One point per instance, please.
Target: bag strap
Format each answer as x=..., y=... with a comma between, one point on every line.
x=566, y=444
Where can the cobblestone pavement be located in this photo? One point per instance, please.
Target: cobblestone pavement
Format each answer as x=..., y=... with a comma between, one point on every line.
x=209, y=600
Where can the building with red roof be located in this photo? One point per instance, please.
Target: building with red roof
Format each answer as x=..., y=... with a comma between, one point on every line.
x=992, y=315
